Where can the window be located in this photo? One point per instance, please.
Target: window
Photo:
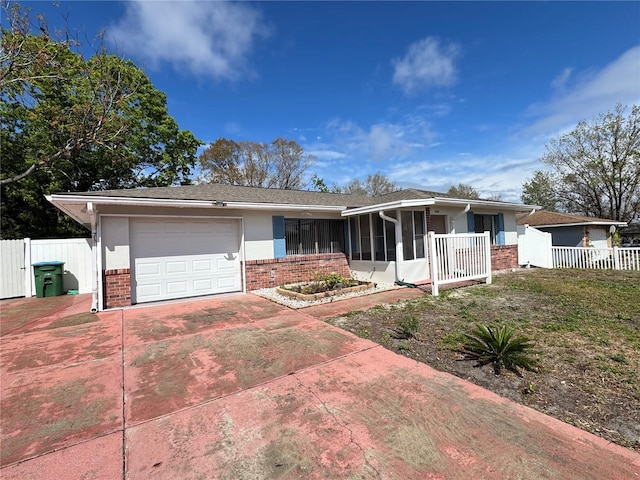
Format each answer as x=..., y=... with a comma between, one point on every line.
x=494, y=224
x=365, y=237
x=308, y=237
x=413, y=232
x=368, y=229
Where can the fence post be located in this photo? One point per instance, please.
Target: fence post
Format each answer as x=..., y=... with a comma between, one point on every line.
x=487, y=246
x=434, y=264
x=27, y=268
x=616, y=258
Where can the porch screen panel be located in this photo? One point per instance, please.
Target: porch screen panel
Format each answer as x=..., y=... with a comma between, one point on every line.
x=407, y=235
x=355, y=238
x=378, y=238
x=365, y=237
x=390, y=235
x=419, y=229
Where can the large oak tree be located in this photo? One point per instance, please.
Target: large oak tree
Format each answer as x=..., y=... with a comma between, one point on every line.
x=71, y=123
x=594, y=170
x=279, y=164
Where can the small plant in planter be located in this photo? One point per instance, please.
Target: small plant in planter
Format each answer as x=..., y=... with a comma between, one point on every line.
x=499, y=346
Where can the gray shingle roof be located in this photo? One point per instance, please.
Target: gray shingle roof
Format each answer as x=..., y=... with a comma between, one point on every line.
x=234, y=193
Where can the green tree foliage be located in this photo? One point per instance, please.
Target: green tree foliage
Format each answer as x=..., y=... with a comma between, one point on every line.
x=318, y=184
x=463, y=191
x=374, y=185
x=595, y=169
x=539, y=191
x=75, y=124
x=279, y=164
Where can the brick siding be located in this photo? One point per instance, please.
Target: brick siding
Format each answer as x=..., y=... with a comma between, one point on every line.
x=504, y=257
x=117, y=288
x=299, y=268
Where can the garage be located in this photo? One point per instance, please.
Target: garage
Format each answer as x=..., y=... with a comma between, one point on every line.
x=179, y=258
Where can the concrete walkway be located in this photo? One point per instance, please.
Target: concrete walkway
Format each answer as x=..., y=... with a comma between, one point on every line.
x=237, y=387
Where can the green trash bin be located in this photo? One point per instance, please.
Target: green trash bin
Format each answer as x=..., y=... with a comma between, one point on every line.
x=49, y=280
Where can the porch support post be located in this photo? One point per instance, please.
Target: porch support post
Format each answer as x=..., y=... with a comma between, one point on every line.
x=433, y=263
x=487, y=243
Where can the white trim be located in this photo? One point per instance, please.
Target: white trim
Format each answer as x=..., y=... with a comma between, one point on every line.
x=580, y=224
x=98, y=266
x=427, y=202
x=387, y=206
x=181, y=203
x=159, y=215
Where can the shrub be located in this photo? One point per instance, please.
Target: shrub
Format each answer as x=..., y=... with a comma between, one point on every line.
x=500, y=347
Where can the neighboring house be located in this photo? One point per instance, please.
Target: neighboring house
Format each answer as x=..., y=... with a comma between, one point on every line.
x=176, y=242
x=572, y=230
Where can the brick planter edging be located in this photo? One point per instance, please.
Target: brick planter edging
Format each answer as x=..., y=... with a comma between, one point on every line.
x=330, y=293
x=117, y=288
x=272, y=272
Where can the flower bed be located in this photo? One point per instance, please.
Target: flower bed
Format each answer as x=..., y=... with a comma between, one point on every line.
x=315, y=290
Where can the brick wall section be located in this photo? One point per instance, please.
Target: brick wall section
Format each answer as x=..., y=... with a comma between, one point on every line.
x=117, y=288
x=504, y=257
x=298, y=268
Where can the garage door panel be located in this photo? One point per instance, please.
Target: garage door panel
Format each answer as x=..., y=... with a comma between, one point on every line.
x=177, y=287
x=147, y=291
x=182, y=258
x=202, y=265
x=148, y=268
x=176, y=267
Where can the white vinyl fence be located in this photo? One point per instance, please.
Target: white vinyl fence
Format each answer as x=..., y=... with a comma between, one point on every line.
x=534, y=247
x=16, y=257
x=615, y=258
x=458, y=258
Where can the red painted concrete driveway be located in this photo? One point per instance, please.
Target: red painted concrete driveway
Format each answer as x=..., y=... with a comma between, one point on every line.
x=237, y=387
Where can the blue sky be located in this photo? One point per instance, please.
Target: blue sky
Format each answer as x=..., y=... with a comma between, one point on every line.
x=429, y=94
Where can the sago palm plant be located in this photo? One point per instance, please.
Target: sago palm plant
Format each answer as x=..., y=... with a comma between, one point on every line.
x=500, y=347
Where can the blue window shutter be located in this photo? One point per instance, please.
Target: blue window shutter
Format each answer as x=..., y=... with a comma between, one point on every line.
x=471, y=226
x=279, y=243
x=500, y=240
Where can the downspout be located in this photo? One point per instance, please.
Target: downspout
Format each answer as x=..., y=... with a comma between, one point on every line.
x=94, y=258
x=463, y=212
x=396, y=223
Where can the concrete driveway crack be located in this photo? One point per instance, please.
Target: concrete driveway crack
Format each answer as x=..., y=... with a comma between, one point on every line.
x=342, y=424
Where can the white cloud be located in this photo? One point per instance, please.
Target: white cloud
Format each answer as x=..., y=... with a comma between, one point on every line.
x=490, y=175
x=212, y=39
x=427, y=63
x=591, y=94
x=560, y=82
x=326, y=154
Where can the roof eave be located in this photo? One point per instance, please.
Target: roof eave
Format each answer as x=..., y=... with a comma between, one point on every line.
x=581, y=224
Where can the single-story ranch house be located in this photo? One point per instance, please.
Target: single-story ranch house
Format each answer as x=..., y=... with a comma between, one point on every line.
x=569, y=230
x=176, y=242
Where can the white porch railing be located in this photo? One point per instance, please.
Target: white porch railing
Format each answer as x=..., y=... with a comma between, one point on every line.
x=458, y=258
x=615, y=258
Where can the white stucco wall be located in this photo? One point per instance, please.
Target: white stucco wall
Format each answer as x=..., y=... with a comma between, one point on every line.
x=257, y=227
x=115, y=242
x=369, y=271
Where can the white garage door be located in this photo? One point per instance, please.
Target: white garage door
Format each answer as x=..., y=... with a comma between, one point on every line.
x=176, y=258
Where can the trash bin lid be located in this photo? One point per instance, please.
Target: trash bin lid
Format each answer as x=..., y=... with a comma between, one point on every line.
x=42, y=264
